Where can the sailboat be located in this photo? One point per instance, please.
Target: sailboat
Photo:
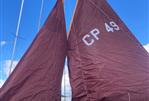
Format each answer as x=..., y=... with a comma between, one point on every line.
x=38, y=75
x=106, y=62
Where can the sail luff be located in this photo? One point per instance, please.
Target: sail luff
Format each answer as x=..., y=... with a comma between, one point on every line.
x=72, y=18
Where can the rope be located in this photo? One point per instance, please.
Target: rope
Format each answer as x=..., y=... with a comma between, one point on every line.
x=40, y=15
x=16, y=38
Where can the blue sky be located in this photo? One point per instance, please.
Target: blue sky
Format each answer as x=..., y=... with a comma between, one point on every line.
x=135, y=14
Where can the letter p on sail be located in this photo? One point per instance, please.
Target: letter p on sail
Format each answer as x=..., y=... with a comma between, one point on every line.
x=95, y=32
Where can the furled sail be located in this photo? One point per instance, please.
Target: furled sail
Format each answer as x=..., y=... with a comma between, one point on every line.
x=38, y=75
x=106, y=62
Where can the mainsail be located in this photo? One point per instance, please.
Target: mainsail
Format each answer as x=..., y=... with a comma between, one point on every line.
x=106, y=62
x=37, y=77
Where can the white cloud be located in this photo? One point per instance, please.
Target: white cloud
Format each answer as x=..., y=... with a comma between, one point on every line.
x=65, y=98
x=66, y=89
x=2, y=43
x=147, y=47
x=5, y=70
x=1, y=82
x=7, y=66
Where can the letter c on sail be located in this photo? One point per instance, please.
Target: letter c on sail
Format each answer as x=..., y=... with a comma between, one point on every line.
x=88, y=43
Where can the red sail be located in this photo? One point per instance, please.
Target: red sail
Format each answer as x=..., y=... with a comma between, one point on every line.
x=106, y=62
x=38, y=75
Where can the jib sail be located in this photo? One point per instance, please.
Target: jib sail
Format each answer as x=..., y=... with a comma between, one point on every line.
x=37, y=77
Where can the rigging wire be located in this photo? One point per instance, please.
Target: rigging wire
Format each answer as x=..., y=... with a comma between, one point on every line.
x=40, y=15
x=16, y=37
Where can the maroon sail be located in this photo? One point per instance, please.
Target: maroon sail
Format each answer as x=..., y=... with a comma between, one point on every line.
x=38, y=75
x=106, y=62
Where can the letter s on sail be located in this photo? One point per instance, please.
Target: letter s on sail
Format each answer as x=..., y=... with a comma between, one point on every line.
x=87, y=42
